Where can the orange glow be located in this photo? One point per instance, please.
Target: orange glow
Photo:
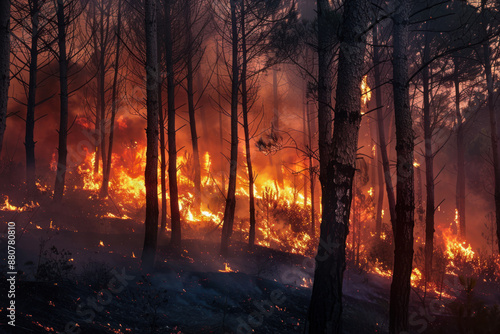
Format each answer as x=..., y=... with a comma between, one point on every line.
x=10, y=207
x=365, y=90
x=227, y=269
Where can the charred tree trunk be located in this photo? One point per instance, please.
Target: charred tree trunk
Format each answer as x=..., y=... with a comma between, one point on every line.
x=246, y=128
x=163, y=162
x=63, y=118
x=405, y=206
x=4, y=66
x=151, y=172
x=429, y=166
x=114, y=107
x=29, y=141
x=163, y=154
x=494, y=133
x=175, y=215
x=305, y=110
x=337, y=158
x=312, y=173
x=102, y=93
x=276, y=127
x=228, y=220
x=381, y=131
x=191, y=109
x=221, y=136
x=381, y=193
x=460, y=194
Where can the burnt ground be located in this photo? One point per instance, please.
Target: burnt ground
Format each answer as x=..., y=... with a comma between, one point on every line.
x=68, y=277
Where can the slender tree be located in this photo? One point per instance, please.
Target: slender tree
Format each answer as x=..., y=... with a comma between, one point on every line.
x=190, y=63
x=228, y=220
x=63, y=86
x=29, y=141
x=175, y=215
x=405, y=204
x=490, y=84
x=382, y=128
x=114, y=104
x=337, y=157
x=151, y=172
x=4, y=65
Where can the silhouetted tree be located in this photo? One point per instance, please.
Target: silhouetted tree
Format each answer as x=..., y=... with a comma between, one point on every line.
x=151, y=172
x=338, y=140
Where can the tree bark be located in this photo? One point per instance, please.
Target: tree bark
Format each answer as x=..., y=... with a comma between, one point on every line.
x=151, y=172
x=163, y=155
x=29, y=141
x=221, y=135
x=337, y=158
x=405, y=206
x=114, y=107
x=276, y=127
x=494, y=133
x=429, y=166
x=381, y=131
x=246, y=128
x=228, y=220
x=312, y=174
x=175, y=215
x=163, y=161
x=305, y=110
x=63, y=118
x=102, y=91
x=191, y=109
x=4, y=66
x=460, y=193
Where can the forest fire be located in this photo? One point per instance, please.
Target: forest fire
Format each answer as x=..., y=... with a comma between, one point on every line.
x=10, y=207
x=251, y=166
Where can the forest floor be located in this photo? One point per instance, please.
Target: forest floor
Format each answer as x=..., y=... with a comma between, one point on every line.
x=86, y=276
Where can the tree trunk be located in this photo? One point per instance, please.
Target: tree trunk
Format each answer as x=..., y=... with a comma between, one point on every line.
x=102, y=93
x=4, y=66
x=377, y=176
x=305, y=110
x=151, y=172
x=460, y=193
x=175, y=215
x=494, y=133
x=114, y=107
x=163, y=161
x=312, y=174
x=29, y=141
x=429, y=166
x=276, y=126
x=228, y=220
x=191, y=109
x=246, y=128
x=405, y=206
x=221, y=135
x=337, y=158
x=381, y=131
x=63, y=118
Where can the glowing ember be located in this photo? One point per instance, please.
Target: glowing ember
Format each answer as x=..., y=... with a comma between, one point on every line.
x=227, y=269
